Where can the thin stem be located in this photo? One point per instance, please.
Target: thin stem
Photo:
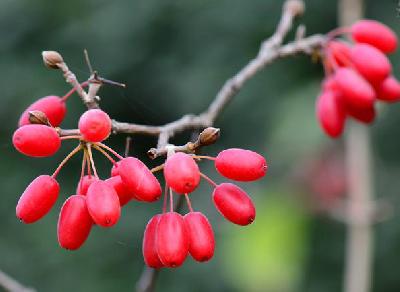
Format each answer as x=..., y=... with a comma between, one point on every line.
x=164, y=209
x=70, y=137
x=203, y=157
x=69, y=93
x=104, y=153
x=209, y=180
x=82, y=171
x=337, y=32
x=89, y=148
x=88, y=162
x=128, y=143
x=188, y=203
x=171, y=200
x=65, y=160
x=109, y=149
x=157, y=168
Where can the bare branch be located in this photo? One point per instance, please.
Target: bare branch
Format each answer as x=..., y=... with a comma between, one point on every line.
x=11, y=285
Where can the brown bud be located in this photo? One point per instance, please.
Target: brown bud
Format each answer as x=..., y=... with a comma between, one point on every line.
x=296, y=7
x=51, y=59
x=208, y=136
x=38, y=117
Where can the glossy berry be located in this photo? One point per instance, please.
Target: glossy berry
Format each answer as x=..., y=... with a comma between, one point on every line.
x=370, y=62
x=84, y=184
x=234, y=204
x=38, y=198
x=74, y=223
x=95, y=125
x=103, y=204
x=364, y=115
x=182, y=173
x=340, y=52
x=355, y=90
x=201, y=236
x=172, y=240
x=36, y=140
x=115, y=169
x=138, y=178
x=240, y=164
x=52, y=106
x=123, y=192
x=374, y=33
x=331, y=113
x=388, y=90
x=149, y=247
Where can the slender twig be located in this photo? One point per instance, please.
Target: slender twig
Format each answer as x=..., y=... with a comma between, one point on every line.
x=11, y=285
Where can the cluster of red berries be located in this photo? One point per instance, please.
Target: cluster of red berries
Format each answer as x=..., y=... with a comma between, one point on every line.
x=357, y=75
x=168, y=237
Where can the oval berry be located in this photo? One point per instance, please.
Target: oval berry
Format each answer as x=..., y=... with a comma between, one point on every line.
x=138, y=178
x=52, y=106
x=38, y=198
x=340, y=52
x=201, y=236
x=355, y=90
x=115, y=169
x=84, y=184
x=36, y=140
x=374, y=33
x=364, y=115
x=182, y=173
x=240, y=164
x=388, y=90
x=371, y=63
x=172, y=241
x=234, y=204
x=103, y=204
x=149, y=247
x=331, y=113
x=95, y=125
x=74, y=223
x=123, y=192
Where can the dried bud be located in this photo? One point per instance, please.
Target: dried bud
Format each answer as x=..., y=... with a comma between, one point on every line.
x=209, y=136
x=38, y=117
x=51, y=59
x=295, y=7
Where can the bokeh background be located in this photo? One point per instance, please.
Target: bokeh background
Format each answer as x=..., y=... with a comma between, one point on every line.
x=174, y=56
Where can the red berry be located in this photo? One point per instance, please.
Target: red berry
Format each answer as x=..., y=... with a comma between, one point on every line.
x=182, y=173
x=36, y=140
x=371, y=63
x=124, y=193
x=329, y=84
x=355, y=90
x=331, y=113
x=201, y=236
x=138, y=178
x=37, y=199
x=340, y=51
x=103, y=204
x=234, y=204
x=115, y=169
x=364, y=115
x=240, y=164
x=84, y=184
x=172, y=241
x=74, y=223
x=95, y=125
x=149, y=247
x=388, y=90
x=374, y=33
x=53, y=106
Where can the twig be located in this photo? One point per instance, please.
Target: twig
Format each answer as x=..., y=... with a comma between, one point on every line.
x=12, y=285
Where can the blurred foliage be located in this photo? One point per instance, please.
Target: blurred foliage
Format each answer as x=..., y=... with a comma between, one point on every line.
x=174, y=55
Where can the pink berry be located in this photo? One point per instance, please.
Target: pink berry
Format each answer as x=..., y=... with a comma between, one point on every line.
x=355, y=90
x=340, y=52
x=95, y=125
x=52, y=106
x=84, y=184
x=36, y=140
x=172, y=241
x=115, y=169
x=240, y=164
x=234, y=204
x=138, y=178
x=331, y=113
x=370, y=62
x=364, y=115
x=38, y=198
x=201, y=236
x=74, y=223
x=124, y=193
x=182, y=173
x=149, y=247
x=388, y=90
x=374, y=33
x=103, y=204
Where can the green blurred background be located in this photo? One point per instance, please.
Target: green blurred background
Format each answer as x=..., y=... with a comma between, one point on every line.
x=174, y=56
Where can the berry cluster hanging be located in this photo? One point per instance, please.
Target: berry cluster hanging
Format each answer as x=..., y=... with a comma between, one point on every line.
x=358, y=75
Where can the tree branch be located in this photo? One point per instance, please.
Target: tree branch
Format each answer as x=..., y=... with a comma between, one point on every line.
x=12, y=285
